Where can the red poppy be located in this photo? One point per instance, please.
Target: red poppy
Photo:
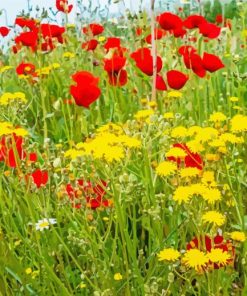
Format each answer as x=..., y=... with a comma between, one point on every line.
x=93, y=29
x=219, y=19
x=211, y=62
x=139, y=31
x=144, y=61
x=192, y=160
x=62, y=5
x=205, y=244
x=29, y=39
x=158, y=34
x=90, y=45
x=33, y=156
x=86, y=91
x=4, y=31
x=40, y=178
x=194, y=61
x=112, y=42
x=179, y=32
x=186, y=49
x=194, y=21
x=25, y=22
x=114, y=68
x=169, y=21
x=160, y=83
x=11, y=150
x=209, y=30
x=25, y=69
x=176, y=79
x=52, y=31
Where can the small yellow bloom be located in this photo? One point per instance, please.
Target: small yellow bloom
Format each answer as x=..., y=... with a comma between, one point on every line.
x=82, y=285
x=101, y=39
x=234, y=99
x=28, y=270
x=168, y=115
x=214, y=217
x=166, y=168
x=118, y=276
x=174, y=94
x=238, y=236
x=168, y=254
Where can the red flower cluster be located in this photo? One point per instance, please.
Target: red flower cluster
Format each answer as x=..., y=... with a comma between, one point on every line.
x=42, y=36
x=198, y=65
x=91, y=31
x=94, y=195
x=86, y=90
x=175, y=25
x=206, y=244
x=114, y=68
x=62, y=5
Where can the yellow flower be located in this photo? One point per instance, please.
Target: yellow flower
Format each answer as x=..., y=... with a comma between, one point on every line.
x=174, y=94
x=217, y=117
x=166, y=168
x=196, y=259
x=214, y=217
x=211, y=195
x=193, y=130
x=218, y=256
x=82, y=285
x=129, y=142
x=101, y=39
x=179, y=131
x=111, y=128
x=176, y=152
x=8, y=97
x=5, y=68
x=168, y=115
x=189, y=172
x=143, y=114
x=68, y=54
x=182, y=194
x=206, y=134
x=152, y=104
x=231, y=138
x=212, y=157
x=168, y=254
x=28, y=270
x=234, y=99
x=238, y=236
x=239, y=123
x=195, y=146
x=208, y=177
x=118, y=276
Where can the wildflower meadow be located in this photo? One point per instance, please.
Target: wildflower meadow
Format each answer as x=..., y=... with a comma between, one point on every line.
x=123, y=150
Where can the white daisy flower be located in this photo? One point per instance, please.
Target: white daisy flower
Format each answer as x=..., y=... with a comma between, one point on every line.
x=45, y=223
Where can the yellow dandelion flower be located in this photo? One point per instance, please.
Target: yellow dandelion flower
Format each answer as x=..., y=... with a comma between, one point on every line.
x=193, y=130
x=68, y=54
x=218, y=256
x=182, y=194
x=189, y=172
x=111, y=128
x=179, y=132
x=217, y=117
x=217, y=143
x=168, y=115
x=113, y=153
x=28, y=270
x=208, y=177
x=168, y=254
x=152, y=104
x=214, y=217
x=176, y=152
x=231, y=138
x=174, y=94
x=212, y=157
x=238, y=236
x=206, y=134
x=166, y=168
x=143, y=114
x=237, y=108
x=234, y=99
x=118, y=276
x=239, y=123
x=82, y=285
x=101, y=39
x=129, y=141
x=8, y=97
x=211, y=195
x=196, y=259
x=5, y=68
x=195, y=146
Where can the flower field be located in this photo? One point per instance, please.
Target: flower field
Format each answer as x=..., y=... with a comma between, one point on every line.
x=123, y=153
